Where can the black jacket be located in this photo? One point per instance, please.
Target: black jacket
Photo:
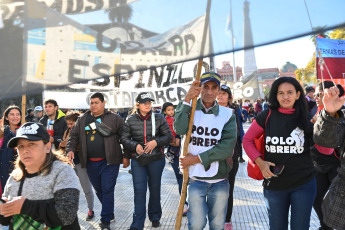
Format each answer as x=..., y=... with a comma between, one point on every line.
x=135, y=128
x=59, y=126
x=330, y=132
x=113, y=150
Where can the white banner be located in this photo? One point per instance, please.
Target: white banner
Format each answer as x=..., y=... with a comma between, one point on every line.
x=15, y=10
x=118, y=98
x=67, y=54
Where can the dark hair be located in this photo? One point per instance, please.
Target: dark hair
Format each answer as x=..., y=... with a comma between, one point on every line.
x=166, y=105
x=330, y=84
x=98, y=95
x=341, y=90
x=50, y=101
x=7, y=111
x=72, y=115
x=301, y=108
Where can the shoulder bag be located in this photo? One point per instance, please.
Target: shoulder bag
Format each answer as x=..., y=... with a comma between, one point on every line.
x=252, y=168
x=25, y=222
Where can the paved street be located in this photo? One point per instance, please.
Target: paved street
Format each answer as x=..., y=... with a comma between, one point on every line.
x=249, y=207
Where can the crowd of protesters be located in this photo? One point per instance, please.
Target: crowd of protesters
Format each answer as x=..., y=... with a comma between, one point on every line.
x=304, y=145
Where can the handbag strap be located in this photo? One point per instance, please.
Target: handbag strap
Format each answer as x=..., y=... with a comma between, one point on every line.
x=269, y=113
x=21, y=186
x=153, y=125
x=19, y=194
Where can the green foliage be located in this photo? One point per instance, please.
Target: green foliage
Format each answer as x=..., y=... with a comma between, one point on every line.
x=338, y=33
x=307, y=75
x=299, y=74
x=266, y=91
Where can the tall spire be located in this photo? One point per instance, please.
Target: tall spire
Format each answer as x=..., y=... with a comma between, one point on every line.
x=249, y=54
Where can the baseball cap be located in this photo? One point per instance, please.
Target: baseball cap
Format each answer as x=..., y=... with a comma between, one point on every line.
x=143, y=97
x=210, y=76
x=30, y=131
x=226, y=89
x=38, y=108
x=309, y=89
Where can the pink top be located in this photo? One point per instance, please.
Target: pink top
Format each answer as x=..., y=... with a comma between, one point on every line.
x=255, y=131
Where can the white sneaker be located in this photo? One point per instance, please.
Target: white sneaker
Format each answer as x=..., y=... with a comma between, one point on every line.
x=185, y=209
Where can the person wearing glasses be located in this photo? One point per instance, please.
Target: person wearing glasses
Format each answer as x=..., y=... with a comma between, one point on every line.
x=224, y=98
x=287, y=166
x=326, y=160
x=145, y=134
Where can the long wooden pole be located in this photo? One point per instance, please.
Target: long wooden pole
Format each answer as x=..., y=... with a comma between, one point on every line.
x=23, y=107
x=191, y=120
x=185, y=151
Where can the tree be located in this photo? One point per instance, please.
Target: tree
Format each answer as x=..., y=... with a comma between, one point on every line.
x=307, y=75
x=120, y=13
x=323, y=34
x=338, y=33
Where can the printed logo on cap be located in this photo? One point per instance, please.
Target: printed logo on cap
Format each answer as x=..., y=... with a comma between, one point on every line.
x=28, y=130
x=145, y=95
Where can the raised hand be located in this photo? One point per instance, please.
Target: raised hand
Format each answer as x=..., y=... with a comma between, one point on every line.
x=193, y=91
x=331, y=101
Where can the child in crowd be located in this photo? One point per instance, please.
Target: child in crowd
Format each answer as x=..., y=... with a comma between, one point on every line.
x=173, y=151
x=251, y=114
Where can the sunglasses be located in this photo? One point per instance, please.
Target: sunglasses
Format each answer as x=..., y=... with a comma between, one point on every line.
x=318, y=95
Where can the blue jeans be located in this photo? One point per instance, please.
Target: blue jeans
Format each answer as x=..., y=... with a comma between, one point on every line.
x=206, y=199
x=103, y=178
x=178, y=175
x=301, y=201
x=151, y=175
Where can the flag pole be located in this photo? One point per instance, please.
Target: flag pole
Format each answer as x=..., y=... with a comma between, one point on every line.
x=190, y=123
x=23, y=108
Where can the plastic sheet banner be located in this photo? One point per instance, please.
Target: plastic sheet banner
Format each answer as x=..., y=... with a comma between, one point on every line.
x=165, y=84
x=46, y=44
x=247, y=88
x=333, y=53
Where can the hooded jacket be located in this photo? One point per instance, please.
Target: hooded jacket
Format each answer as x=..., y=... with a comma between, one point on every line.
x=59, y=126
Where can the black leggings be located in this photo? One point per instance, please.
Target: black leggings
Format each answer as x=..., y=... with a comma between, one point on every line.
x=323, y=181
x=232, y=176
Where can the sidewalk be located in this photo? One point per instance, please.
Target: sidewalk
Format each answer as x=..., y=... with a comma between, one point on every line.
x=249, y=212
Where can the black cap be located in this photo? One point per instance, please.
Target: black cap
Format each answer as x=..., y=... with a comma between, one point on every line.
x=309, y=89
x=226, y=89
x=143, y=97
x=30, y=131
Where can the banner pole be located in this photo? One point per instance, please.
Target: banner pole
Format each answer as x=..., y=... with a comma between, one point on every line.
x=23, y=108
x=185, y=151
x=191, y=120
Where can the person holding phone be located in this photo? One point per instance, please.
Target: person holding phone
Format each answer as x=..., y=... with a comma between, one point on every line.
x=287, y=168
x=43, y=190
